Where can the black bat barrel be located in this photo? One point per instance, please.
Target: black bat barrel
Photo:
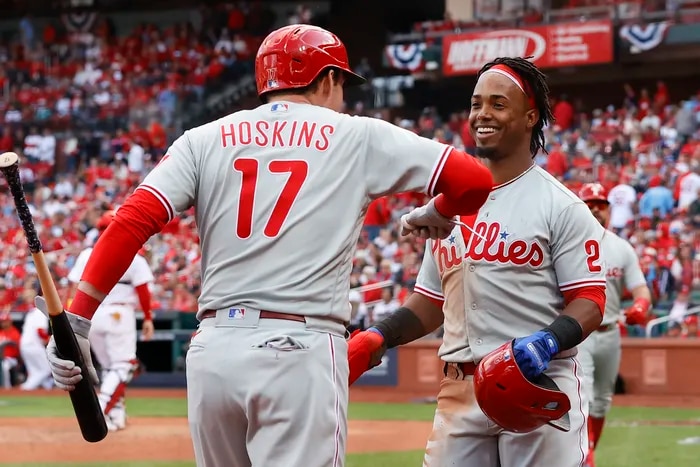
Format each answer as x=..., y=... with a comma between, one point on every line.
x=85, y=403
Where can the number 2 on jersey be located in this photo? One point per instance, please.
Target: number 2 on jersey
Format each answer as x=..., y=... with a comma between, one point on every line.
x=297, y=170
x=593, y=255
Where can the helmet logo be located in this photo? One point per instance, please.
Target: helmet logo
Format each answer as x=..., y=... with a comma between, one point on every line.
x=272, y=78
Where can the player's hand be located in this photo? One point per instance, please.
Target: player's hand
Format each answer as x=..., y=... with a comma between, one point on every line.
x=637, y=313
x=147, y=330
x=534, y=352
x=66, y=374
x=365, y=351
x=426, y=222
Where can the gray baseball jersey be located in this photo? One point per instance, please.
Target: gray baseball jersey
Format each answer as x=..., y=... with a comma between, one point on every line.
x=623, y=270
x=280, y=193
x=601, y=352
x=540, y=241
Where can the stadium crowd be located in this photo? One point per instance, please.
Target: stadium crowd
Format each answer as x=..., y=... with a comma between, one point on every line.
x=91, y=115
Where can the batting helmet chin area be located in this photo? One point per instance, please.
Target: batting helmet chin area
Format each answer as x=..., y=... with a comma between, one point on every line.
x=513, y=402
x=293, y=57
x=593, y=192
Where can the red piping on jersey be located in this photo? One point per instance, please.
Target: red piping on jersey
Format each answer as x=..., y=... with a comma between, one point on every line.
x=161, y=197
x=439, y=167
x=430, y=296
x=464, y=185
x=497, y=187
x=594, y=293
x=144, y=294
x=141, y=216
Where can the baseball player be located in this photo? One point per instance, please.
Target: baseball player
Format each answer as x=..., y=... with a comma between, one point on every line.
x=113, y=332
x=600, y=353
x=279, y=194
x=32, y=347
x=526, y=271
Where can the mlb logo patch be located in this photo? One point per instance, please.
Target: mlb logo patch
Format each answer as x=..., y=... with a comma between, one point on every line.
x=279, y=107
x=236, y=313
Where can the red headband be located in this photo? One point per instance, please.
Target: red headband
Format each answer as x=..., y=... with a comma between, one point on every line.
x=509, y=73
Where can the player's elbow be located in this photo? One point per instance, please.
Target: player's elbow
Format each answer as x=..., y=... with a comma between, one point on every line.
x=465, y=184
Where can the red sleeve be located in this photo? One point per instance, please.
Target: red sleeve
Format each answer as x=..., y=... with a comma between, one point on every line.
x=43, y=333
x=145, y=299
x=141, y=216
x=594, y=293
x=464, y=184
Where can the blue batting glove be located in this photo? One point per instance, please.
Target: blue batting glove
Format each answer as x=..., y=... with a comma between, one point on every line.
x=534, y=352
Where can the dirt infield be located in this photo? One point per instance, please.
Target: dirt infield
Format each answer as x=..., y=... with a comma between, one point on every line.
x=53, y=439
x=58, y=438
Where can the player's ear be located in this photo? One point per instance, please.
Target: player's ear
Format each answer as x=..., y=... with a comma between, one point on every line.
x=533, y=116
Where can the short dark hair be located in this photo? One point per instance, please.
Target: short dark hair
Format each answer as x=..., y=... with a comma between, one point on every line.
x=537, y=81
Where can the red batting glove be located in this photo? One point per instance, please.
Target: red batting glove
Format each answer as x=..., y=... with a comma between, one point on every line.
x=365, y=350
x=637, y=313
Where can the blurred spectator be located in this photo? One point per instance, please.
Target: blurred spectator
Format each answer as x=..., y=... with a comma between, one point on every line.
x=9, y=343
x=657, y=202
x=386, y=306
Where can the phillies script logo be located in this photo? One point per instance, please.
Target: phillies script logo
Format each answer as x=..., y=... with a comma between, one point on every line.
x=615, y=272
x=471, y=53
x=497, y=248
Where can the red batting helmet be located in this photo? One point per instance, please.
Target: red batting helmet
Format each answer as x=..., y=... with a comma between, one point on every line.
x=293, y=56
x=104, y=221
x=514, y=403
x=593, y=192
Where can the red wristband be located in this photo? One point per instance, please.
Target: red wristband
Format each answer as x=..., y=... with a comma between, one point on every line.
x=643, y=303
x=84, y=305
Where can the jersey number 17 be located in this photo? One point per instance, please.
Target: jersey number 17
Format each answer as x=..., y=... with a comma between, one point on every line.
x=248, y=168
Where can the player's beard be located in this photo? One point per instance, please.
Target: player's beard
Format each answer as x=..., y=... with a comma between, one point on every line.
x=490, y=153
x=600, y=219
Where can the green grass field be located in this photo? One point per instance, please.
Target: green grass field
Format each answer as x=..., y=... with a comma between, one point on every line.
x=629, y=439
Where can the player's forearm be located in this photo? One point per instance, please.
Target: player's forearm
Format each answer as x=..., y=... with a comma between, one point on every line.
x=464, y=185
x=144, y=294
x=587, y=313
x=417, y=318
x=642, y=292
x=581, y=316
x=141, y=216
x=575, y=323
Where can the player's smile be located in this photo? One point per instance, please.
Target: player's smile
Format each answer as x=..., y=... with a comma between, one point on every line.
x=486, y=133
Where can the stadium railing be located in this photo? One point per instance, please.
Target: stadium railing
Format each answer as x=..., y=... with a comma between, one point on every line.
x=649, y=330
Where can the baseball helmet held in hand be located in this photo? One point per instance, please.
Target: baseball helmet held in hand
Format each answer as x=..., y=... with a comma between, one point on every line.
x=593, y=192
x=293, y=56
x=513, y=402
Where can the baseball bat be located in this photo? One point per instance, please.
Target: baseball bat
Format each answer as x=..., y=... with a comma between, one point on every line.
x=84, y=399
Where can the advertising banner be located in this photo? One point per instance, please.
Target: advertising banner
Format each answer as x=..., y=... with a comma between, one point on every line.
x=385, y=374
x=551, y=46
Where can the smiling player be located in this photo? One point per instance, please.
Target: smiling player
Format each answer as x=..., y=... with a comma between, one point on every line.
x=516, y=303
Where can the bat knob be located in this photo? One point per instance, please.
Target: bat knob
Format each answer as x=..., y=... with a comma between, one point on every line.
x=8, y=158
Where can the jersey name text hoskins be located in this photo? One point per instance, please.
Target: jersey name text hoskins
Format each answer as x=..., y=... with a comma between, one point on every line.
x=277, y=134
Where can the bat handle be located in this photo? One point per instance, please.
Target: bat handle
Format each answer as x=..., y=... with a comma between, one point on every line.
x=53, y=300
